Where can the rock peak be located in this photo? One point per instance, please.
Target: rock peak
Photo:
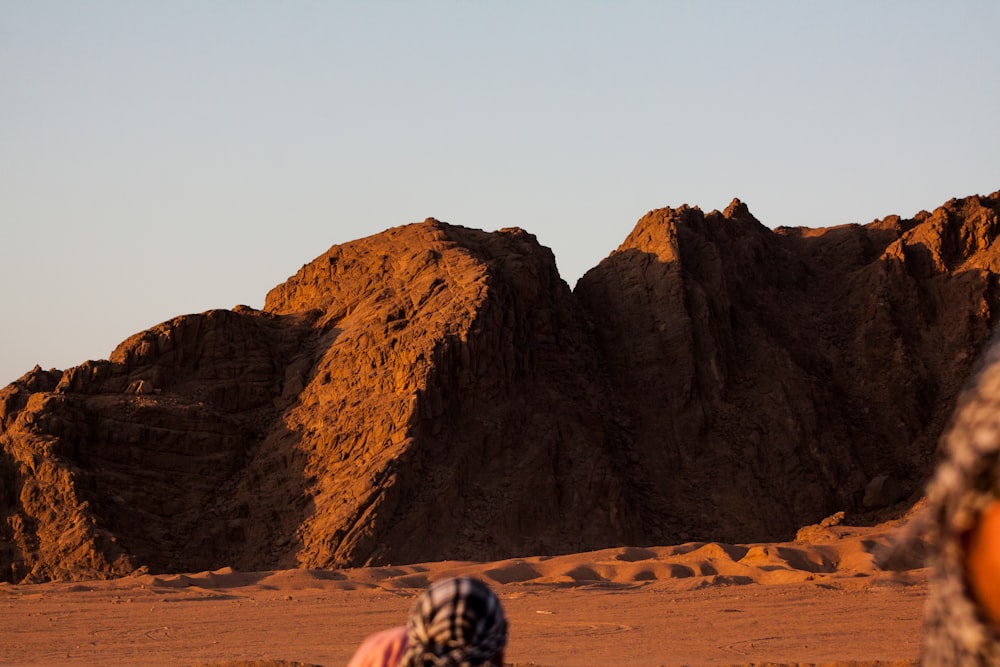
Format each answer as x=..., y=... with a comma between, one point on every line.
x=736, y=210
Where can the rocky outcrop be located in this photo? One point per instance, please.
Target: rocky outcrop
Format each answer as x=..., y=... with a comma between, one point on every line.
x=438, y=392
x=776, y=374
x=130, y=462
x=450, y=412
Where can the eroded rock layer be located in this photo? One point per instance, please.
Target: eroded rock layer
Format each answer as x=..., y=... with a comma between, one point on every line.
x=437, y=392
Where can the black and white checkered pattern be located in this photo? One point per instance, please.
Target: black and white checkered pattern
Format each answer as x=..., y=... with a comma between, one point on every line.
x=966, y=481
x=455, y=623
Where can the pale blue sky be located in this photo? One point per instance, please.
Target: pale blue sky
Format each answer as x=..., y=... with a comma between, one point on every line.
x=163, y=158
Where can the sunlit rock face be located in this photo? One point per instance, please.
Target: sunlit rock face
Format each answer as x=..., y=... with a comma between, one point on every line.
x=438, y=392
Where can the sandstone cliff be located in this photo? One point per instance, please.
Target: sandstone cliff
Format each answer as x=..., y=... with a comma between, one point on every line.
x=777, y=374
x=438, y=392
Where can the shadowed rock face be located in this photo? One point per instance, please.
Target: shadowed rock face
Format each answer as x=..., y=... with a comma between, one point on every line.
x=437, y=392
x=772, y=375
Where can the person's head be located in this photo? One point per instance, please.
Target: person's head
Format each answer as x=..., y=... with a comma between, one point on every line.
x=963, y=502
x=456, y=623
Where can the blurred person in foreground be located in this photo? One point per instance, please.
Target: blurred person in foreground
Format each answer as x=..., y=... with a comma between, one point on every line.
x=454, y=623
x=962, y=625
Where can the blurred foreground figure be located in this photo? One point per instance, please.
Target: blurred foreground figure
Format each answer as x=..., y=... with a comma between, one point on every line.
x=963, y=609
x=454, y=623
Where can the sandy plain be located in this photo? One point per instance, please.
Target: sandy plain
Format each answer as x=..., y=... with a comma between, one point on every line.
x=820, y=600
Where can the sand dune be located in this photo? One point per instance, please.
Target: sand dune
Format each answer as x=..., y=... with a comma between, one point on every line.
x=824, y=600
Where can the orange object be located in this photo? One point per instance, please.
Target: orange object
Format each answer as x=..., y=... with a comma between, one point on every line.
x=982, y=563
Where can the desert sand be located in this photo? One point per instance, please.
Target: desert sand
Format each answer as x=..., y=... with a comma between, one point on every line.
x=822, y=599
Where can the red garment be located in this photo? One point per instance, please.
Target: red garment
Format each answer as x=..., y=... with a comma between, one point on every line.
x=382, y=649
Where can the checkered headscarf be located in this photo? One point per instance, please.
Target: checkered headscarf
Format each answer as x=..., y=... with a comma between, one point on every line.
x=966, y=481
x=455, y=623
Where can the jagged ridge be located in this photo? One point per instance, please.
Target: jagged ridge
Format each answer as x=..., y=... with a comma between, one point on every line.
x=438, y=392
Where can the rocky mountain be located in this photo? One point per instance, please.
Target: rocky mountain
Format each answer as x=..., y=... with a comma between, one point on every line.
x=438, y=392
